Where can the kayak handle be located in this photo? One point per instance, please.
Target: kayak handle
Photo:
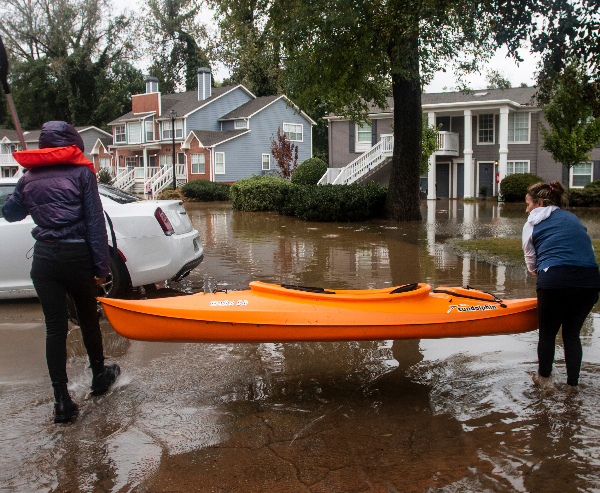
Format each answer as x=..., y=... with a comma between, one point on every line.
x=405, y=288
x=306, y=288
x=458, y=295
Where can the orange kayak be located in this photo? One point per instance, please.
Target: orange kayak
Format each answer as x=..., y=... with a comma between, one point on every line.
x=273, y=313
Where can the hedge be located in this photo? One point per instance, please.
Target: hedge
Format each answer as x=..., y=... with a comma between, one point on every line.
x=341, y=203
x=258, y=193
x=584, y=197
x=513, y=188
x=593, y=184
x=205, y=191
x=309, y=172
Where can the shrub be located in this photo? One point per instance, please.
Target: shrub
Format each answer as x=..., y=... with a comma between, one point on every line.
x=170, y=194
x=593, y=185
x=309, y=172
x=514, y=187
x=205, y=191
x=104, y=176
x=332, y=202
x=258, y=193
x=585, y=197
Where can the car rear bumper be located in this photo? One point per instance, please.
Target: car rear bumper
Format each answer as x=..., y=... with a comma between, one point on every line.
x=187, y=268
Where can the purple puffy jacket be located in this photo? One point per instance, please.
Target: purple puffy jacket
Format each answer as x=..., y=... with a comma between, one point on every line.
x=64, y=203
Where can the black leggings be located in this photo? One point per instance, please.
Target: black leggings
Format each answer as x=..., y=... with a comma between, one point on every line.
x=567, y=307
x=59, y=268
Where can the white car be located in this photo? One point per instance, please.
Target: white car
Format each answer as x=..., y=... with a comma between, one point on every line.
x=155, y=242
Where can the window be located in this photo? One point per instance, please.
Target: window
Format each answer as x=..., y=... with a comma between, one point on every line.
x=14, y=148
x=165, y=160
x=180, y=158
x=219, y=163
x=517, y=167
x=151, y=86
x=135, y=132
x=105, y=162
x=149, y=131
x=266, y=162
x=293, y=131
x=362, y=132
x=485, y=135
x=198, y=164
x=167, y=132
x=518, y=127
x=130, y=161
x=581, y=175
x=240, y=124
x=120, y=134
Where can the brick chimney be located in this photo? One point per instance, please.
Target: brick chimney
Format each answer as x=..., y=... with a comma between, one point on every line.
x=149, y=101
x=203, y=83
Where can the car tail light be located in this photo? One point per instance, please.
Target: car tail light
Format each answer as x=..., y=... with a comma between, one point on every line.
x=164, y=222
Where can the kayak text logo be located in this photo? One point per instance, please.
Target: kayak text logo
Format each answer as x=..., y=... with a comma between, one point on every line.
x=472, y=308
x=229, y=303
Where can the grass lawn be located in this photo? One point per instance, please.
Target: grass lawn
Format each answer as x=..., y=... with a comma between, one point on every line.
x=505, y=249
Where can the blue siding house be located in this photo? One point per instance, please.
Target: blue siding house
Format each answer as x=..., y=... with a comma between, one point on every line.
x=220, y=134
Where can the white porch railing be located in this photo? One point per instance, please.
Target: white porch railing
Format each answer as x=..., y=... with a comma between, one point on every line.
x=447, y=144
x=8, y=160
x=366, y=161
x=163, y=177
x=125, y=178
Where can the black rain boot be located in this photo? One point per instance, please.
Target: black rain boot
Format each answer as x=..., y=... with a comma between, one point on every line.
x=102, y=380
x=64, y=407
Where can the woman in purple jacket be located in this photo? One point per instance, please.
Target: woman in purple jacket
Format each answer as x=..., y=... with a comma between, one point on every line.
x=70, y=256
x=559, y=252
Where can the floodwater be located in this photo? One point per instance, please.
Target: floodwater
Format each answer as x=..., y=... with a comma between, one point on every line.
x=448, y=415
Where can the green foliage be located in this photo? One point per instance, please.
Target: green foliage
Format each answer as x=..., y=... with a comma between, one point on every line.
x=340, y=203
x=104, y=177
x=593, y=184
x=513, y=188
x=585, y=197
x=495, y=80
x=573, y=131
x=258, y=193
x=309, y=172
x=205, y=191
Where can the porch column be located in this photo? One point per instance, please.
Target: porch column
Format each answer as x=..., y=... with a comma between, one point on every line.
x=145, y=154
x=116, y=162
x=431, y=174
x=503, y=141
x=468, y=152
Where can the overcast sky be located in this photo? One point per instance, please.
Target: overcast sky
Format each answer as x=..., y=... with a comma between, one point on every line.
x=508, y=68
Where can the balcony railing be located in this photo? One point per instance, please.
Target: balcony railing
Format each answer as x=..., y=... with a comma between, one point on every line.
x=447, y=144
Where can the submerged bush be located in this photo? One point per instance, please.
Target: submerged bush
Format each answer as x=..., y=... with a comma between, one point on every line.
x=170, y=194
x=205, y=190
x=309, y=172
x=258, y=193
x=513, y=188
x=332, y=202
x=584, y=197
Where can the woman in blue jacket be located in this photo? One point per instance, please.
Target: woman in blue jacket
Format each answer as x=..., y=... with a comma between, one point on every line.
x=70, y=255
x=559, y=252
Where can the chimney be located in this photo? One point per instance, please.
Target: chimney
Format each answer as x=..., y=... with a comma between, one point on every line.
x=203, y=83
x=151, y=84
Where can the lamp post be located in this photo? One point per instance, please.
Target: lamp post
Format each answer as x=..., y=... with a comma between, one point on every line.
x=173, y=115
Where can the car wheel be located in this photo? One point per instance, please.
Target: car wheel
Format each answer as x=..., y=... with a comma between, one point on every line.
x=117, y=281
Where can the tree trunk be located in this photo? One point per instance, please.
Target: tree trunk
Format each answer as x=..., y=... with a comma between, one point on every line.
x=403, y=202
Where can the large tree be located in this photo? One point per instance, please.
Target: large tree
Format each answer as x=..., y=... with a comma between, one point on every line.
x=572, y=130
x=173, y=34
x=352, y=53
x=63, y=54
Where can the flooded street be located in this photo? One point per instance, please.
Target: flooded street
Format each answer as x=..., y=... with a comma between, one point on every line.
x=447, y=415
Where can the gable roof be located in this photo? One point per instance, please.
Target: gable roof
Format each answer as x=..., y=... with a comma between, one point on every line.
x=251, y=107
x=91, y=127
x=211, y=138
x=185, y=103
x=520, y=96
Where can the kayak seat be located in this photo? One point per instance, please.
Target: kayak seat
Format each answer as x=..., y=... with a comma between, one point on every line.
x=405, y=288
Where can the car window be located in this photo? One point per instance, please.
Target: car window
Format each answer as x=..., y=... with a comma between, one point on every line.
x=5, y=191
x=117, y=195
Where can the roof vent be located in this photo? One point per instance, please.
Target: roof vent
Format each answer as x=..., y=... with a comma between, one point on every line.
x=151, y=84
x=481, y=93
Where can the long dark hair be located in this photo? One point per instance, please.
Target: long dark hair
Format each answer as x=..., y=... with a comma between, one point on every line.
x=550, y=193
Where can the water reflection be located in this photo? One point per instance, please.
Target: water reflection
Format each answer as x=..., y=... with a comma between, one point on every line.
x=432, y=415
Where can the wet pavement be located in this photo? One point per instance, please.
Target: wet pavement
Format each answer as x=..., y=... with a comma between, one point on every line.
x=448, y=415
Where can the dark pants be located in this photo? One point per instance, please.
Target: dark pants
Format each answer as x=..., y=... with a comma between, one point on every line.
x=59, y=268
x=567, y=307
